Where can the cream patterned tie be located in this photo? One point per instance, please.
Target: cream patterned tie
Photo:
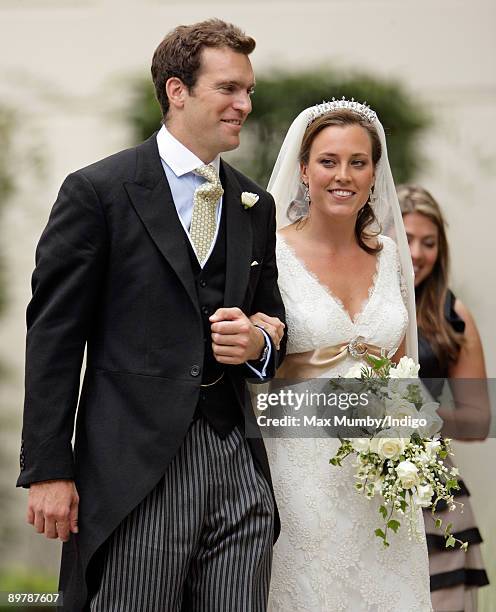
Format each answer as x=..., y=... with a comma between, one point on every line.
x=203, y=221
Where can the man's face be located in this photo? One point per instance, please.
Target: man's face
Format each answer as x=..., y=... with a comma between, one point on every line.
x=217, y=106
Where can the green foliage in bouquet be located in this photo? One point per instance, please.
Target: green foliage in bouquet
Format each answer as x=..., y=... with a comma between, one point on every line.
x=405, y=468
x=280, y=97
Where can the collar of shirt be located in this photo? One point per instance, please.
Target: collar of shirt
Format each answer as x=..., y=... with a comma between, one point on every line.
x=179, y=163
x=178, y=157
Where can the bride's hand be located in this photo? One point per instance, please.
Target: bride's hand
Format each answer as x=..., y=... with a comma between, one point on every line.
x=272, y=325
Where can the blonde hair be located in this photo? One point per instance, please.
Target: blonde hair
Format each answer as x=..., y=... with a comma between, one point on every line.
x=432, y=294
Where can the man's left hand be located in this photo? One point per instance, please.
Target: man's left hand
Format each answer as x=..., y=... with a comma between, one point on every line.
x=234, y=337
x=272, y=325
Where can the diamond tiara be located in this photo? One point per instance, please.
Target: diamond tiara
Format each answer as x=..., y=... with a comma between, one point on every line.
x=361, y=109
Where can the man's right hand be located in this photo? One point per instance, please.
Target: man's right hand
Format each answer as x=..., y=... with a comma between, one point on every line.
x=53, y=508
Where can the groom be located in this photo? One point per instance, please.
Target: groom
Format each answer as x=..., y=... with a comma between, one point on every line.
x=153, y=259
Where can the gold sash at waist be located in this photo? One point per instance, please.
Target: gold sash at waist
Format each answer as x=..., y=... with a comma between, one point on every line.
x=314, y=364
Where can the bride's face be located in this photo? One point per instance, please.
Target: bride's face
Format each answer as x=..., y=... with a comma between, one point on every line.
x=340, y=170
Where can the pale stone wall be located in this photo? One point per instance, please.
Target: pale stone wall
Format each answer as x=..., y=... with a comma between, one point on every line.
x=64, y=65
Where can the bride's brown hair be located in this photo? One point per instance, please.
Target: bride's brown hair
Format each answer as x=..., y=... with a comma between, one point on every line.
x=366, y=217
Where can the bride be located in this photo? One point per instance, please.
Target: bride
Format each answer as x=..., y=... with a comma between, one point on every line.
x=342, y=282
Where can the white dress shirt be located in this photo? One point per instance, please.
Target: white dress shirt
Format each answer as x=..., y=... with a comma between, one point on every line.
x=179, y=163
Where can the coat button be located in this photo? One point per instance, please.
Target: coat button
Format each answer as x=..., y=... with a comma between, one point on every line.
x=203, y=283
x=205, y=310
x=195, y=370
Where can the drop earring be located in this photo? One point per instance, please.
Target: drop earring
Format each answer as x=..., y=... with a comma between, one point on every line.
x=306, y=195
x=372, y=198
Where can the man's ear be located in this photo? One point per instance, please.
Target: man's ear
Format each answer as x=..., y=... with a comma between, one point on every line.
x=176, y=91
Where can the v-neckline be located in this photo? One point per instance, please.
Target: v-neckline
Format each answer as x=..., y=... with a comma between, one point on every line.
x=354, y=320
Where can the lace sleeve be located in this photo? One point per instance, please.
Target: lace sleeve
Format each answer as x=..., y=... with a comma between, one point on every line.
x=401, y=278
x=394, y=258
x=397, y=264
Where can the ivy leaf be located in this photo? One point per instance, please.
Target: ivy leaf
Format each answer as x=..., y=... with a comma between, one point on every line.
x=416, y=437
x=450, y=542
x=377, y=362
x=380, y=534
x=439, y=522
x=452, y=483
x=394, y=525
x=383, y=511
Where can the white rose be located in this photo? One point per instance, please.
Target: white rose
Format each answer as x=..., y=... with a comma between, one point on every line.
x=390, y=447
x=374, y=445
x=400, y=407
x=361, y=445
x=397, y=387
x=394, y=395
x=431, y=447
x=378, y=483
x=434, y=422
x=408, y=474
x=374, y=408
x=249, y=199
x=355, y=371
x=406, y=368
x=422, y=496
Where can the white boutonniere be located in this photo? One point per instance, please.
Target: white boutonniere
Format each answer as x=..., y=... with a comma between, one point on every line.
x=249, y=199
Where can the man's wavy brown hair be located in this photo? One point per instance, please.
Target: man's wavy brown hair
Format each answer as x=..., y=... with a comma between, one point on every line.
x=179, y=54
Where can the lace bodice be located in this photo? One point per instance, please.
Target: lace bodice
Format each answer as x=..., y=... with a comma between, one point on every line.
x=327, y=557
x=316, y=318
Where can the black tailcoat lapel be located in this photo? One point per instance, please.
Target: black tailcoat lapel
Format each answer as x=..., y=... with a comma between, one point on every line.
x=239, y=240
x=152, y=199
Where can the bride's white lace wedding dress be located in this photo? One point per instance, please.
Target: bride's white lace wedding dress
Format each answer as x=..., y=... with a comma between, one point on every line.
x=327, y=558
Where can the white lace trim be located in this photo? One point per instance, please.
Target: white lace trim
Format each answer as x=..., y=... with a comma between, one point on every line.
x=317, y=318
x=328, y=558
x=328, y=291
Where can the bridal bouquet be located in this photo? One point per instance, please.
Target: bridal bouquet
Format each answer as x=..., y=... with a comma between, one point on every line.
x=401, y=459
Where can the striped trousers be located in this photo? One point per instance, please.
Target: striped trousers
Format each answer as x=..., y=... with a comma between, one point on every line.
x=201, y=541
